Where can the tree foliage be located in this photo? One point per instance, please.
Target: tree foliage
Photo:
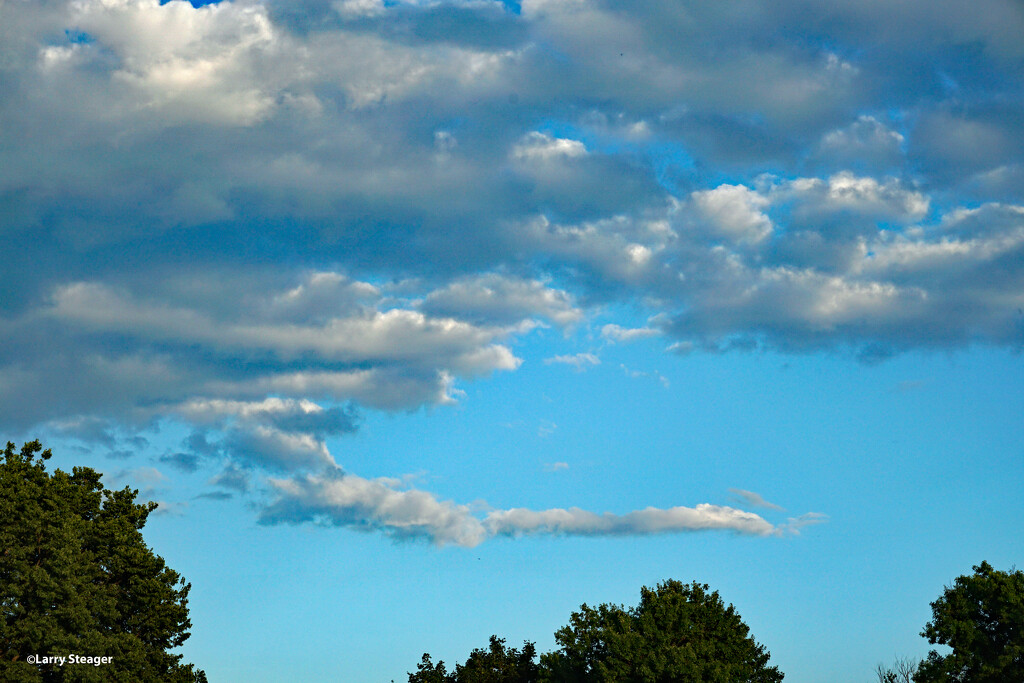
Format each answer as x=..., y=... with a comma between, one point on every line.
x=496, y=664
x=77, y=578
x=981, y=617
x=429, y=672
x=677, y=634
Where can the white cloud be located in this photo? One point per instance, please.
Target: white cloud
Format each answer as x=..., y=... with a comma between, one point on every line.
x=847, y=192
x=577, y=522
x=365, y=335
x=735, y=212
x=866, y=141
x=278, y=449
x=623, y=334
x=578, y=361
x=205, y=410
x=373, y=504
x=297, y=344
x=502, y=300
x=383, y=505
x=186, y=63
x=537, y=146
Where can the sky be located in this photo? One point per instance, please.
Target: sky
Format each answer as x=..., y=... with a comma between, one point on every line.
x=426, y=321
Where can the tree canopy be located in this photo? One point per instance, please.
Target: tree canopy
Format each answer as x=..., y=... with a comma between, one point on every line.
x=677, y=634
x=76, y=578
x=496, y=664
x=981, y=617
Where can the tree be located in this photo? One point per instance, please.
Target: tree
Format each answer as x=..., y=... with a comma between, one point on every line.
x=677, y=634
x=499, y=664
x=428, y=672
x=981, y=617
x=496, y=664
x=76, y=578
x=902, y=671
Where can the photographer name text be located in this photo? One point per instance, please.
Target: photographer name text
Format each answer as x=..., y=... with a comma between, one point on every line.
x=69, y=659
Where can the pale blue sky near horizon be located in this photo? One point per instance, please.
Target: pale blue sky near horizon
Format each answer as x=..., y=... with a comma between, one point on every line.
x=426, y=321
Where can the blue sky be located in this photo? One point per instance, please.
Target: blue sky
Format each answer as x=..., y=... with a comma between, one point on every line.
x=427, y=321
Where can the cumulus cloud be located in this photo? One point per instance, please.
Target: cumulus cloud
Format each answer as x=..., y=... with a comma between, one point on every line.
x=381, y=505
x=502, y=300
x=867, y=144
x=734, y=212
x=279, y=449
x=926, y=285
x=289, y=415
x=847, y=193
x=260, y=219
x=180, y=353
x=541, y=147
x=601, y=168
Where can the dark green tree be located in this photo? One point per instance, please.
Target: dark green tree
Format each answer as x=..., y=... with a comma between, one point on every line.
x=496, y=664
x=429, y=672
x=76, y=578
x=981, y=617
x=677, y=634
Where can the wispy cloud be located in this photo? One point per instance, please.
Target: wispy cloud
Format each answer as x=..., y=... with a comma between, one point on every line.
x=384, y=505
x=372, y=505
x=580, y=361
x=546, y=428
x=794, y=524
x=635, y=374
x=577, y=522
x=627, y=334
x=753, y=499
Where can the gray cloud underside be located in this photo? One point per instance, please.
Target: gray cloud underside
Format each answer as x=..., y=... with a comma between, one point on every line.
x=335, y=205
x=346, y=500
